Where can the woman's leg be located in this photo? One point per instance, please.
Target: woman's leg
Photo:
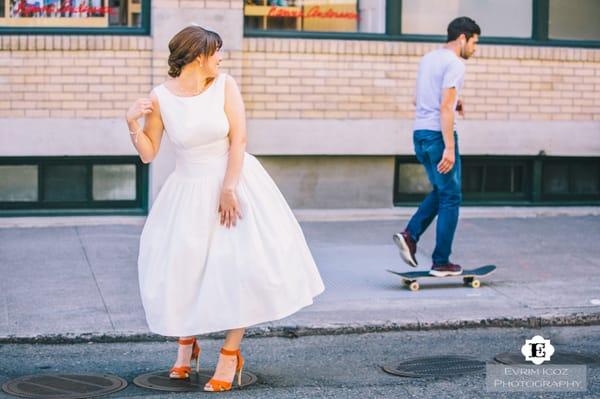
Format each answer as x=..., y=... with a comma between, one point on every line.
x=226, y=365
x=184, y=353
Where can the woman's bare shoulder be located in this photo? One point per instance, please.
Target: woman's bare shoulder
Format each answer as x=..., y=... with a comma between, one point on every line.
x=230, y=82
x=153, y=94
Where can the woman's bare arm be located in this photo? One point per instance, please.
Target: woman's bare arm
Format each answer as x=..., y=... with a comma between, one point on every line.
x=148, y=140
x=236, y=115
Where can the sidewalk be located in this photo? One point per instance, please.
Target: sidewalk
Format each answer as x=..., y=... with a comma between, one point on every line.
x=66, y=283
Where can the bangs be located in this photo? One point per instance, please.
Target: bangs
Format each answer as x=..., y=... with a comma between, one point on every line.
x=213, y=42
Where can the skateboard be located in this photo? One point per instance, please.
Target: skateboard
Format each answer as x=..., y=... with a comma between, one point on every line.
x=470, y=277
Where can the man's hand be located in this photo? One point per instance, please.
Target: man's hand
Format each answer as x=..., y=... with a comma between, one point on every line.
x=447, y=161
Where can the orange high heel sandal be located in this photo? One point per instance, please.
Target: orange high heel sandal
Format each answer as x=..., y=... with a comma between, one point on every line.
x=183, y=372
x=219, y=386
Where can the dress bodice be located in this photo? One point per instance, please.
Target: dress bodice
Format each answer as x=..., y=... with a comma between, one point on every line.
x=196, y=125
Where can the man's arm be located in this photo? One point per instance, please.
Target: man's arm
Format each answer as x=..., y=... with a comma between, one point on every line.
x=447, y=122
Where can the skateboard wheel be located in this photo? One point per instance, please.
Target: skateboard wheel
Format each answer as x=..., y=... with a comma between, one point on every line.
x=475, y=283
x=405, y=282
x=414, y=286
x=467, y=280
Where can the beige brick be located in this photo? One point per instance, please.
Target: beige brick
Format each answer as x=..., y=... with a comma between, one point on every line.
x=263, y=114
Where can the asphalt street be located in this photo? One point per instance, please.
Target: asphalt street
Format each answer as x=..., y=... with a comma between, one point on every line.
x=332, y=366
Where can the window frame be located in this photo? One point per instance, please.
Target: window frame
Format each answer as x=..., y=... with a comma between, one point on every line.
x=533, y=194
x=539, y=35
x=143, y=30
x=139, y=206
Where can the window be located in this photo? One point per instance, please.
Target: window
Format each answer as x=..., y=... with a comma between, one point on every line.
x=508, y=180
x=497, y=18
x=574, y=19
x=48, y=16
x=72, y=183
x=528, y=22
x=316, y=15
x=565, y=179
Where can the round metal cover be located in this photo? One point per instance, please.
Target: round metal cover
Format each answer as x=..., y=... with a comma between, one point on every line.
x=557, y=358
x=64, y=386
x=159, y=380
x=436, y=366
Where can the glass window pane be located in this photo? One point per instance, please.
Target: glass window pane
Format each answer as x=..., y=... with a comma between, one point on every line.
x=65, y=183
x=472, y=176
x=412, y=178
x=71, y=13
x=500, y=18
x=113, y=182
x=574, y=19
x=555, y=179
x=18, y=183
x=498, y=179
x=316, y=15
x=585, y=178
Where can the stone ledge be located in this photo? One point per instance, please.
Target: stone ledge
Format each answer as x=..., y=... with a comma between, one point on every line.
x=387, y=48
x=74, y=42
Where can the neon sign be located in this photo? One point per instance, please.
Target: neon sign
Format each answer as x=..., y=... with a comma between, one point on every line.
x=313, y=12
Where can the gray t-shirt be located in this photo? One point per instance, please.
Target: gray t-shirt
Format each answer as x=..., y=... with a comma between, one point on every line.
x=439, y=69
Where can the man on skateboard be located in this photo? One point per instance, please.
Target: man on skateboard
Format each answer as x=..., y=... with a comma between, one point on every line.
x=439, y=83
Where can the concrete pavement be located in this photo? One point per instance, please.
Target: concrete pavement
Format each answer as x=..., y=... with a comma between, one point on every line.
x=79, y=282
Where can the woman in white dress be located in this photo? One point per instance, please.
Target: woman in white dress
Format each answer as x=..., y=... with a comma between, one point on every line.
x=220, y=249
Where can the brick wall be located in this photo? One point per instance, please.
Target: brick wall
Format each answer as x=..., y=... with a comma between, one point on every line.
x=99, y=77
x=298, y=78
x=72, y=76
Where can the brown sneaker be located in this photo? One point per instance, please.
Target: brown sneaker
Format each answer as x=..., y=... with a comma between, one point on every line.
x=449, y=269
x=408, y=248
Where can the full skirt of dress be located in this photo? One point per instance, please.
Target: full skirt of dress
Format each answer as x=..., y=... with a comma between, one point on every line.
x=197, y=276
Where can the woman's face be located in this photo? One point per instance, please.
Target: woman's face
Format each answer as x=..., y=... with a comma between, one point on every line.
x=211, y=63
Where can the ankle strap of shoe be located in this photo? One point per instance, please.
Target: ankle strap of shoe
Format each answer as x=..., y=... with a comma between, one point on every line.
x=186, y=341
x=228, y=352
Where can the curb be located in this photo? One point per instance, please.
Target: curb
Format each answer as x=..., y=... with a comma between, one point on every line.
x=321, y=215
x=576, y=319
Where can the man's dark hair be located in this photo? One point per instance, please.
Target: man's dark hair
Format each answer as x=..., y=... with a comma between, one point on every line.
x=462, y=25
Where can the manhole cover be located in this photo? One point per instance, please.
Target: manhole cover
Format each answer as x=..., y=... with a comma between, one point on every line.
x=557, y=358
x=160, y=380
x=438, y=366
x=64, y=386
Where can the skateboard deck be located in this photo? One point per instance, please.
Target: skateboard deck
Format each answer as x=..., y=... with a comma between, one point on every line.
x=470, y=277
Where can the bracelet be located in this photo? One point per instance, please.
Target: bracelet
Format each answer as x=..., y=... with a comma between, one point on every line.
x=135, y=139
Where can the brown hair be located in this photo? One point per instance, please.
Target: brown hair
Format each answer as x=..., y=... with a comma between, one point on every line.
x=188, y=44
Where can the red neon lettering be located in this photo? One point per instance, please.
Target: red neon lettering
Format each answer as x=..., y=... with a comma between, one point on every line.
x=26, y=10
x=313, y=12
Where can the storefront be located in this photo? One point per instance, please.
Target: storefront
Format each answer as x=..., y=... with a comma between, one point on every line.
x=328, y=88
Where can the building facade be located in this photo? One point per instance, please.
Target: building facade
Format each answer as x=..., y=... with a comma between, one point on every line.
x=328, y=88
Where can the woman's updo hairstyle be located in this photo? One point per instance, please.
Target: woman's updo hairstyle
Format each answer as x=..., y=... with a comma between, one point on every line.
x=188, y=44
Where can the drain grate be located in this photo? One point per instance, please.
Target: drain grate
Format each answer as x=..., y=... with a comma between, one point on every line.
x=436, y=366
x=64, y=386
x=159, y=380
x=557, y=358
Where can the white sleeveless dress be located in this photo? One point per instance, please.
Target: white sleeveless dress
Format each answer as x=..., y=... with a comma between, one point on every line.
x=195, y=275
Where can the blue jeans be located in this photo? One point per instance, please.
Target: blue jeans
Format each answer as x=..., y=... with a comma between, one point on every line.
x=444, y=201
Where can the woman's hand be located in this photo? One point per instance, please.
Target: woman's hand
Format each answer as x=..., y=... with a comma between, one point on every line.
x=140, y=107
x=229, y=208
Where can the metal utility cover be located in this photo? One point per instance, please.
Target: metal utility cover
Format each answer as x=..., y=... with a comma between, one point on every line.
x=159, y=380
x=436, y=366
x=557, y=358
x=64, y=386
